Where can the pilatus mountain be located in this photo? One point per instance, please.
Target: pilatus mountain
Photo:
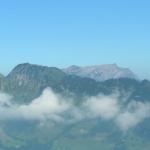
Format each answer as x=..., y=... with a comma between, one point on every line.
x=101, y=72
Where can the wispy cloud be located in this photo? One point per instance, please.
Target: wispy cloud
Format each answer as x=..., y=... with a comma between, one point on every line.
x=105, y=107
x=135, y=113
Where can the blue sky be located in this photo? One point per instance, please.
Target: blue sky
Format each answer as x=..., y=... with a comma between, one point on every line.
x=82, y=32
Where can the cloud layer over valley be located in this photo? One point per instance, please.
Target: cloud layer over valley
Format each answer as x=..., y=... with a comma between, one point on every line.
x=54, y=107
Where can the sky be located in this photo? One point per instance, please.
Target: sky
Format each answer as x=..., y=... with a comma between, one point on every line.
x=75, y=32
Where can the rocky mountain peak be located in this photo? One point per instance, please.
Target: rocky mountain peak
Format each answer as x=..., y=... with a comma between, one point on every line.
x=25, y=74
x=101, y=72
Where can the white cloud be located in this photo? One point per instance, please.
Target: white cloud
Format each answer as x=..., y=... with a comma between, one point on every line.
x=102, y=106
x=51, y=106
x=48, y=106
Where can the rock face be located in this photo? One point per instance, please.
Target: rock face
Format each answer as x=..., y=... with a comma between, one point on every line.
x=26, y=73
x=101, y=72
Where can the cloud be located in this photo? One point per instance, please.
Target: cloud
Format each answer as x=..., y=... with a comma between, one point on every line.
x=54, y=107
x=135, y=113
x=4, y=99
x=105, y=107
x=48, y=106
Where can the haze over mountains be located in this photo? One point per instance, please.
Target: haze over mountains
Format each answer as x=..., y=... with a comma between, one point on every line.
x=52, y=109
x=101, y=72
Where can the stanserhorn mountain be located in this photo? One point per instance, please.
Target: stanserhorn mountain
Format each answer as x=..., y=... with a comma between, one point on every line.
x=26, y=81
x=101, y=72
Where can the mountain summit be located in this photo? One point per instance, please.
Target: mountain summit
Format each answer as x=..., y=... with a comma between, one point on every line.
x=101, y=72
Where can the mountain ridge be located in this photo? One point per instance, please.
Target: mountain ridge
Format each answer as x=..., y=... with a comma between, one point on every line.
x=27, y=81
x=101, y=72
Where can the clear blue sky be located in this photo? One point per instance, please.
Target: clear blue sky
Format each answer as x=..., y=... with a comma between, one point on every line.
x=82, y=32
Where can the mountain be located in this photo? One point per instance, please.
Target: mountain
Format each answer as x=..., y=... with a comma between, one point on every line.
x=26, y=82
x=101, y=72
x=24, y=74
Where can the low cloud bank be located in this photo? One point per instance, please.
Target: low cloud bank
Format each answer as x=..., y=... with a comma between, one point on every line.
x=51, y=106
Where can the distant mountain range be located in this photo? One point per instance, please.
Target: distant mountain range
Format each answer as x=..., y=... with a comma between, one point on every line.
x=101, y=72
x=26, y=83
